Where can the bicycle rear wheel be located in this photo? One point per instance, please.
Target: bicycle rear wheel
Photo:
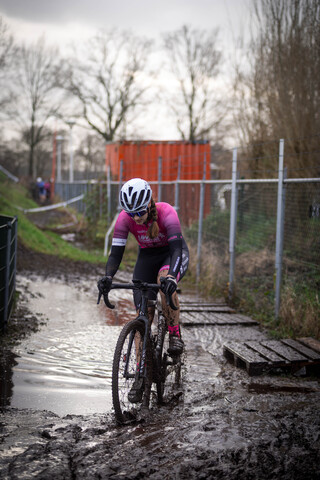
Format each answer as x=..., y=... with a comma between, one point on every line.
x=127, y=356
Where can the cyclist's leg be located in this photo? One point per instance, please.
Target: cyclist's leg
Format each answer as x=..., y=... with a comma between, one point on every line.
x=173, y=316
x=176, y=344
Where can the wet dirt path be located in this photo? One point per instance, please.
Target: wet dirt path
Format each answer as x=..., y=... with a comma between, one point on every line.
x=59, y=423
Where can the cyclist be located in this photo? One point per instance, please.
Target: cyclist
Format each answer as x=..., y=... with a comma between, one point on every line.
x=163, y=251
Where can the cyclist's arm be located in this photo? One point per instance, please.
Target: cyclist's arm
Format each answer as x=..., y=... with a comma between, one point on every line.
x=119, y=241
x=175, y=246
x=114, y=260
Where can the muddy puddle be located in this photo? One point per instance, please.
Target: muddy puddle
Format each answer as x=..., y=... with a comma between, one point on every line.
x=58, y=421
x=66, y=366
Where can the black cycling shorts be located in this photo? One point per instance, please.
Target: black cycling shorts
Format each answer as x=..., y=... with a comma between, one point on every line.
x=149, y=263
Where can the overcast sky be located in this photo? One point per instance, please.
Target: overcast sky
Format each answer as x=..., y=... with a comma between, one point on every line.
x=145, y=17
x=66, y=21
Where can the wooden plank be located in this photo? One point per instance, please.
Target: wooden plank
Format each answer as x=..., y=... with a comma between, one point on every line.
x=197, y=304
x=184, y=308
x=310, y=343
x=245, y=319
x=199, y=317
x=243, y=355
x=284, y=351
x=193, y=319
x=299, y=347
x=205, y=318
x=236, y=319
x=268, y=354
x=219, y=318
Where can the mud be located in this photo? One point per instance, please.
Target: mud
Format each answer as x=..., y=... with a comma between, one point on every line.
x=226, y=425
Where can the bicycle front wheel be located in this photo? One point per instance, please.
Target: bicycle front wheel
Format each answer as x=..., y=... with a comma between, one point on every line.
x=125, y=367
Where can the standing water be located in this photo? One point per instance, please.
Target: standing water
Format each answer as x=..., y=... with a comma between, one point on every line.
x=66, y=366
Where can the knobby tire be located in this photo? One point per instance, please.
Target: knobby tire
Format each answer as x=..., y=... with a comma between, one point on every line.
x=124, y=410
x=161, y=364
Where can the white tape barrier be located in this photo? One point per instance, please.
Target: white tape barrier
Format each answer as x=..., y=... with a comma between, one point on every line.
x=12, y=177
x=56, y=205
x=106, y=239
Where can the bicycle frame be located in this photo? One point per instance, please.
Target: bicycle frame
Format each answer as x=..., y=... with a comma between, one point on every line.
x=142, y=316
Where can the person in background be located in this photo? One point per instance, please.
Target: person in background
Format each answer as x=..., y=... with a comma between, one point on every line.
x=41, y=190
x=47, y=188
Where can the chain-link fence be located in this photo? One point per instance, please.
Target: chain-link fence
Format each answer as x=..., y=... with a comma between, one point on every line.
x=8, y=258
x=250, y=229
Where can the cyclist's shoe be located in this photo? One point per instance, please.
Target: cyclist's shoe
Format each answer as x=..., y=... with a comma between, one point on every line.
x=136, y=391
x=176, y=345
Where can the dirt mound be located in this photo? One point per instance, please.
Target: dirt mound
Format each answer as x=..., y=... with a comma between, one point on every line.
x=49, y=265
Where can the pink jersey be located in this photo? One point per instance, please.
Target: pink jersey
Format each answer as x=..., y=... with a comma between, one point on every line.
x=169, y=228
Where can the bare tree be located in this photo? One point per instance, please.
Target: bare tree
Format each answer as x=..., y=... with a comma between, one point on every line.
x=35, y=87
x=194, y=61
x=7, y=49
x=91, y=154
x=281, y=92
x=109, y=81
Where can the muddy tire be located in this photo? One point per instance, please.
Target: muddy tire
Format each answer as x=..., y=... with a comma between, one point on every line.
x=160, y=367
x=168, y=375
x=124, y=370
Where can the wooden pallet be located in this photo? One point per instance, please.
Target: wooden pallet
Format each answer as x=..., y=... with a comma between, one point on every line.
x=205, y=307
x=289, y=355
x=205, y=317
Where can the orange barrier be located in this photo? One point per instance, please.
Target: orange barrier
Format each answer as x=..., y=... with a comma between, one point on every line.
x=141, y=159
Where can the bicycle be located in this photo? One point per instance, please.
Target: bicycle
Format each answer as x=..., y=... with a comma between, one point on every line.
x=140, y=357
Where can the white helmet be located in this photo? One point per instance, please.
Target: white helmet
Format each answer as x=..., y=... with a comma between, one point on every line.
x=135, y=195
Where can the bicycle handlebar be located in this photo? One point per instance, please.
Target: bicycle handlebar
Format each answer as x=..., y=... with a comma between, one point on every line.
x=136, y=285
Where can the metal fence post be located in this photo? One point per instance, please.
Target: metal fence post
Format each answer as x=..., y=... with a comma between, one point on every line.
x=7, y=273
x=15, y=251
x=120, y=184
x=233, y=222
x=109, y=192
x=280, y=225
x=176, y=190
x=120, y=176
x=100, y=200
x=159, y=178
x=201, y=210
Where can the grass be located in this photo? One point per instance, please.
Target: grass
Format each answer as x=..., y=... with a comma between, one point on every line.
x=13, y=196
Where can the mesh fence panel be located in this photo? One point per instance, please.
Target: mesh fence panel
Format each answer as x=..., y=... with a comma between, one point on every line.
x=255, y=242
x=302, y=227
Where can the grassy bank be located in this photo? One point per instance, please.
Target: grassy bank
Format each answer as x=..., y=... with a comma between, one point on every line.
x=14, y=198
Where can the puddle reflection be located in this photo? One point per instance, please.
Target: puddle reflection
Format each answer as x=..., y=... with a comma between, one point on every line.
x=66, y=366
